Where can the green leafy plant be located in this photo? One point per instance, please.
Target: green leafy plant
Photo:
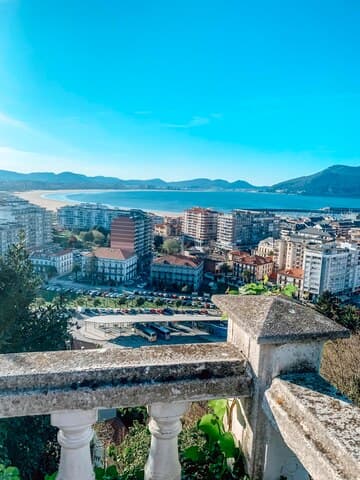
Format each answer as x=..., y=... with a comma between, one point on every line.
x=9, y=473
x=51, y=477
x=219, y=456
x=109, y=473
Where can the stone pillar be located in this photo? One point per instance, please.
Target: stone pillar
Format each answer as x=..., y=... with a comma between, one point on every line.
x=165, y=426
x=277, y=335
x=74, y=436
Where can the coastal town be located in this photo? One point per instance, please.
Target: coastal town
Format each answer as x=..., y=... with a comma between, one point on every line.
x=201, y=250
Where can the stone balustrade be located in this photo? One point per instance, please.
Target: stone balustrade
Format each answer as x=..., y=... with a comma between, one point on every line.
x=289, y=422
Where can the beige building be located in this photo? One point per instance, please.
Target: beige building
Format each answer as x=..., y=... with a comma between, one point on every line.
x=256, y=266
x=292, y=276
x=200, y=225
x=177, y=271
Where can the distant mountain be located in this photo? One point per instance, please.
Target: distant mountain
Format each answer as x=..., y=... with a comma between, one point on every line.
x=205, y=183
x=69, y=180
x=338, y=180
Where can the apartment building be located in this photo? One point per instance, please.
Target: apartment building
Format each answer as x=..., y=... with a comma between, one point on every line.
x=109, y=265
x=170, y=227
x=331, y=267
x=133, y=231
x=61, y=260
x=130, y=229
x=177, y=271
x=9, y=235
x=86, y=216
x=354, y=234
x=200, y=225
x=275, y=248
x=242, y=228
x=252, y=267
x=34, y=221
x=288, y=251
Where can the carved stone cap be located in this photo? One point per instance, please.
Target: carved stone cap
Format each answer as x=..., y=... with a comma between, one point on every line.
x=278, y=319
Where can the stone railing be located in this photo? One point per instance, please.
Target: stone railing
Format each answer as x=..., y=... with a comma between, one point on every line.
x=288, y=420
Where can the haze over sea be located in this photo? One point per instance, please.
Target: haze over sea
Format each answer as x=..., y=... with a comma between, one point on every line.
x=176, y=201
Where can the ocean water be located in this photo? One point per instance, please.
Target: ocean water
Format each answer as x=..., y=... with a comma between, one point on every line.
x=176, y=201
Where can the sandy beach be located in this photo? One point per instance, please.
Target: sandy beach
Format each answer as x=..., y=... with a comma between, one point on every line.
x=38, y=197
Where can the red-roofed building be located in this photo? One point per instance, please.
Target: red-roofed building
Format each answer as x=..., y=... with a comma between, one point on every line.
x=256, y=266
x=176, y=271
x=117, y=265
x=291, y=276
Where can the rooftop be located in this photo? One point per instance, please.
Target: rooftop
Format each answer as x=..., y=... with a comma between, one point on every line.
x=292, y=272
x=113, y=253
x=253, y=260
x=180, y=260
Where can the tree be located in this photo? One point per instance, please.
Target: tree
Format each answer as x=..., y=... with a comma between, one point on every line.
x=140, y=301
x=225, y=268
x=51, y=271
x=76, y=270
x=171, y=246
x=158, y=242
x=99, y=238
x=25, y=328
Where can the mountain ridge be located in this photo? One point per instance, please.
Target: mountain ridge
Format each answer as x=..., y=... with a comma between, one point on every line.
x=337, y=180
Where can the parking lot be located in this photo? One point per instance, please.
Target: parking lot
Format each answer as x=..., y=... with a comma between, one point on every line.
x=121, y=331
x=96, y=301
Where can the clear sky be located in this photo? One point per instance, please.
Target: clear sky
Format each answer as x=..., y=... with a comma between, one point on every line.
x=260, y=90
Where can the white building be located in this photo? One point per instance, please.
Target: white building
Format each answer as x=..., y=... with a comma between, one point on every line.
x=200, y=225
x=36, y=222
x=61, y=260
x=331, y=267
x=9, y=235
x=243, y=228
x=109, y=265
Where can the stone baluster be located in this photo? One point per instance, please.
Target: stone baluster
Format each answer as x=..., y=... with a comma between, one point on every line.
x=74, y=436
x=165, y=426
x=277, y=336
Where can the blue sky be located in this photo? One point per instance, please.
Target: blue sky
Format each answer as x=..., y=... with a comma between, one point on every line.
x=257, y=90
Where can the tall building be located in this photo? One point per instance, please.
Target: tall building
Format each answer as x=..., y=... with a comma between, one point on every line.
x=34, y=221
x=86, y=216
x=243, y=228
x=132, y=230
x=9, y=234
x=331, y=267
x=200, y=225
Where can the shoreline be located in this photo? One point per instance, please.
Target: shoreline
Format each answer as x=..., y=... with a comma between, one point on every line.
x=38, y=197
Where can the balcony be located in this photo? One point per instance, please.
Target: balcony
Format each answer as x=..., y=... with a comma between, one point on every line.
x=289, y=421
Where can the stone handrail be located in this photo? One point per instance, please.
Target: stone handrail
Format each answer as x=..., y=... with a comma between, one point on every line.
x=289, y=421
x=319, y=425
x=40, y=383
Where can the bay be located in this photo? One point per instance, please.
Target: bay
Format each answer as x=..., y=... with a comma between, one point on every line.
x=175, y=201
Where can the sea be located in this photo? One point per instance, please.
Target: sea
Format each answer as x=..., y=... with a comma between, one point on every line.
x=176, y=201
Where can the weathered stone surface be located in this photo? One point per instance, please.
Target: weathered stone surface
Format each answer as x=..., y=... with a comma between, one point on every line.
x=38, y=383
x=277, y=319
x=320, y=425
